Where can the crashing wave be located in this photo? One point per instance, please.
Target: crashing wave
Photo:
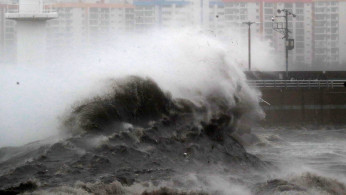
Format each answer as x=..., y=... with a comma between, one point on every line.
x=137, y=133
x=140, y=101
x=306, y=183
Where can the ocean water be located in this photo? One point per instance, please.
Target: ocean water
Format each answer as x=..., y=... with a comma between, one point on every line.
x=156, y=113
x=313, y=159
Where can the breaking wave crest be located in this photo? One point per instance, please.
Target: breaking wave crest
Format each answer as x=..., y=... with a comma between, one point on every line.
x=140, y=102
x=170, y=128
x=306, y=183
x=134, y=133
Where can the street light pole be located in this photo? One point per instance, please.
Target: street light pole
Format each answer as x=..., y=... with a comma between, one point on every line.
x=289, y=43
x=286, y=40
x=249, y=41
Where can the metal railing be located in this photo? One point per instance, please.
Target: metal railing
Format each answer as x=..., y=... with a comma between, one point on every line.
x=297, y=83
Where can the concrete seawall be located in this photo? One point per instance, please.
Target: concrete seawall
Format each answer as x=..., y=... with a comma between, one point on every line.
x=300, y=106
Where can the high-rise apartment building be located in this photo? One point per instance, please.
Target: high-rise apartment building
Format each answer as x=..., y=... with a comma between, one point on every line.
x=7, y=34
x=318, y=29
x=80, y=22
x=262, y=11
x=329, y=33
x=161, y=14
x=217, y=16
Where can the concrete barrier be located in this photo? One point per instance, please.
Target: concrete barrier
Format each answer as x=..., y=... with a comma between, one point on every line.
x=299, y=106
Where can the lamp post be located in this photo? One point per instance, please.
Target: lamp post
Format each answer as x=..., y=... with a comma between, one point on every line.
x=249, y=41
x=283, y=29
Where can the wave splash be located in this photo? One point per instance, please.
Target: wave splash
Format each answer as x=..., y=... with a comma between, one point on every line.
x=189, y=63
x=140, y=101
x=144, y=132
x=306, y=183
x=135, y=133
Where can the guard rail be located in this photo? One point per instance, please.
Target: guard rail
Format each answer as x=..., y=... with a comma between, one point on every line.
x=297, y=83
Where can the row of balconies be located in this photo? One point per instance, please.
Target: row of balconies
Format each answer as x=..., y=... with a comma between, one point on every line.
x=67, y=15
x=236, y=11
x=323, y=50
x=146, y=13
x=145, y=20
x=144, y=8
x=327, y=58
x=236, y=4
x=241, y=17
x=326, y=31
x=61, y=22
x=322, y=44
x=326, y=17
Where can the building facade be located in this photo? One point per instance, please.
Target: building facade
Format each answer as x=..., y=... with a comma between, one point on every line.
x=318, y=29
x=80, y=22
x=7, y=34
x=329, y=32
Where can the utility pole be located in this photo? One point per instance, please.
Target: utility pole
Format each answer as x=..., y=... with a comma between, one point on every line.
x=249, y=41
x=283, y=29
x=286, y=39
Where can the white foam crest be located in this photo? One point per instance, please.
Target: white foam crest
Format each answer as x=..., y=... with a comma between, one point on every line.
x=187, y=62
x=218, y=184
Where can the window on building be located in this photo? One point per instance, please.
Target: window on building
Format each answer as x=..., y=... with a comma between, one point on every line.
x=319, y=30
x=243, y=11
x=300, y=45
x=319, y=37
x=319, y=9
x=334, y=3
x=319, y=16
x=335, y=37
x=299, y=25
x=300, y=58
x=334, y=51
x=299, y=38
x=299, y=5
x=268, y=11
x=268, y=4
x=93, y=9
x=334, y=30
x=268, y=17
x=300, y=18
x=268, y=31
x=243, y=17
x=299, y=11
x=288, y=5
x=268, y=24
x=300, y=51
x=299, y=31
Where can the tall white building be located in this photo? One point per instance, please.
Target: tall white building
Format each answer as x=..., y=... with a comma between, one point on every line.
x=82, y=22
x=161, y=14
x=318, y=30
x=329, y=33
x=262, y=11
x=217, y=16
x=30, y=17
x=7, y=34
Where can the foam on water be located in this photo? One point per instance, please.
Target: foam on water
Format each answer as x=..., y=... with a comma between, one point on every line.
x=310, y=160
